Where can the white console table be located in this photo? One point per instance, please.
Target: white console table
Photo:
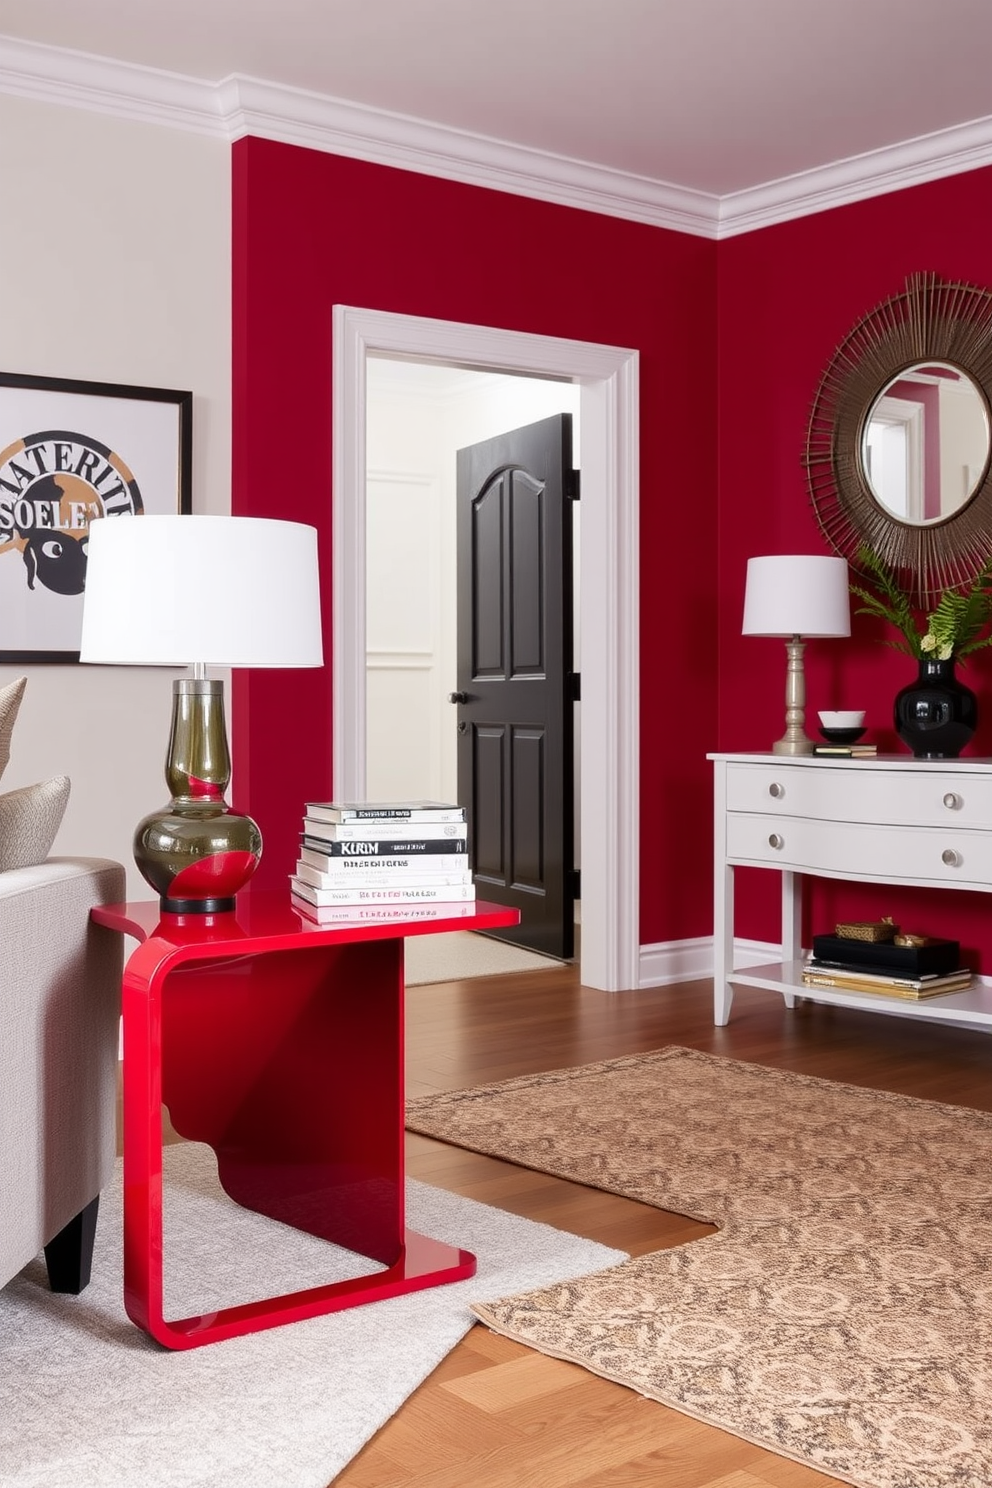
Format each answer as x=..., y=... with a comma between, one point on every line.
x=892, y=819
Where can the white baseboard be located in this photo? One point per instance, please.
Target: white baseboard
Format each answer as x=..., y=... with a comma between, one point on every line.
x=689, y=960
x=692, y=960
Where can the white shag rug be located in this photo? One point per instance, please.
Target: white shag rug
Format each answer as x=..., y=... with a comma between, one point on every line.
x=459, y=954
x=87, y=1399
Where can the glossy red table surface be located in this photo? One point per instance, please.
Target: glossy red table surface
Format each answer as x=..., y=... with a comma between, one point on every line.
x=270, y=916
x=277, y=1040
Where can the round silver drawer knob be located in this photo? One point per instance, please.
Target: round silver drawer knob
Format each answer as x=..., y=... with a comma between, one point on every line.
x=776, y=841
x=952, y=802
x=776, y=790
x=950, y=857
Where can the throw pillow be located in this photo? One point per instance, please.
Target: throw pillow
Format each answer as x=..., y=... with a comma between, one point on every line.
x=29, y=820
x=10, y=701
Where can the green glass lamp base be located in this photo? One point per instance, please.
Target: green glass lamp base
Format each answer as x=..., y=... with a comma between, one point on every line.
x=195, y=861
x=196, y=852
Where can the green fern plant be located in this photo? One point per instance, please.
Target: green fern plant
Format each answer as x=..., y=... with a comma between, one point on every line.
x=957, y=626
x=889, y=602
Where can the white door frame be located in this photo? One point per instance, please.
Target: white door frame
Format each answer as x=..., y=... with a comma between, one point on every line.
x=608, y=591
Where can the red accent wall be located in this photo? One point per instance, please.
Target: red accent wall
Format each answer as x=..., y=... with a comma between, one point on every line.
x=312, y=230
x=788, y=295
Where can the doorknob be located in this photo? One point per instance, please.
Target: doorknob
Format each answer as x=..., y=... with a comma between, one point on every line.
x=458, y=697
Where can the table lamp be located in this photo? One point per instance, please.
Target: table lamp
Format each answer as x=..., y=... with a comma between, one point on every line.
x=199, y=591
x=796, y=597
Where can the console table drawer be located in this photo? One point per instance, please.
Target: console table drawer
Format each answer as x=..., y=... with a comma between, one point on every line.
x=865, y=793
x=946, y=856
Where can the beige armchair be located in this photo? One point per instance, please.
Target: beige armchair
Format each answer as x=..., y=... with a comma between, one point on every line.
x=60, y=980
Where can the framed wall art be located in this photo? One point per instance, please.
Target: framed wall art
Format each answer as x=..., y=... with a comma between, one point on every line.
x=70, y=452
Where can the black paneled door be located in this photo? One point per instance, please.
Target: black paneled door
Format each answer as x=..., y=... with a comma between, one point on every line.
x=515, y=684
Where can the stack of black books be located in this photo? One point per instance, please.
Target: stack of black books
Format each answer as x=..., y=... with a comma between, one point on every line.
x=930, y=969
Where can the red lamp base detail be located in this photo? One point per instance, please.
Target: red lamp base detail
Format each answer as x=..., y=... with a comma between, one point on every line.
x=209, y=885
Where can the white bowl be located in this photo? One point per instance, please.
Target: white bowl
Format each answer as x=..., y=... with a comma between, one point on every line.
x=842, y=720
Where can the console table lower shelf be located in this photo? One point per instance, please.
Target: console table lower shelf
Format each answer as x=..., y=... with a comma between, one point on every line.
x=973, y=1006
x=277, y=1041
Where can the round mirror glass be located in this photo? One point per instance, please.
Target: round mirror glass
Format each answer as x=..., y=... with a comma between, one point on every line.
x=926, y=442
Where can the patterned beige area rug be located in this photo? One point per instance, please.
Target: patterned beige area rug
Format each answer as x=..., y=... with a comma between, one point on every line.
x=842, y=1316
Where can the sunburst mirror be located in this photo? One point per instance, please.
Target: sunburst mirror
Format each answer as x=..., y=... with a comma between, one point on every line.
x=900, y=437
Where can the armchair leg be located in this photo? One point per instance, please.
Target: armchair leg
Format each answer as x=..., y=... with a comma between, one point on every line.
x=69, y=1254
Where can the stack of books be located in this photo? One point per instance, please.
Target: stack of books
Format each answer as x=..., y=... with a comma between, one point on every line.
x=914, y=972
x=846, y=751
x=391, y=856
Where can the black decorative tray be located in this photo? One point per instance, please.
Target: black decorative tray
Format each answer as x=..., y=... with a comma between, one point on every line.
x=936, y=957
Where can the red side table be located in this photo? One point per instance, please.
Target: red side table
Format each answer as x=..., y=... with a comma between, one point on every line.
x=278, y=1041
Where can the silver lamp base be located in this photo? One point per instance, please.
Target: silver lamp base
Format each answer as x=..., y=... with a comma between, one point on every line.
x=794, y=741
x=786, y=745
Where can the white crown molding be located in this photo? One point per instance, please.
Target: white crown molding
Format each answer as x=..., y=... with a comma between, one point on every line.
x=295, y=117
x=144, y=95
x=929, y=157
x=237, y=106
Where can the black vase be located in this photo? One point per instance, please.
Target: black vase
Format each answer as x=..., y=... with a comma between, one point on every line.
x=937, y=714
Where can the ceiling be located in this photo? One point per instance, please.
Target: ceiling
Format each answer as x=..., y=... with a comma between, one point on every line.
x=717, y=97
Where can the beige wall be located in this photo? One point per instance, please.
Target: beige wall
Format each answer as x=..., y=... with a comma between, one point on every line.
x=115, y=267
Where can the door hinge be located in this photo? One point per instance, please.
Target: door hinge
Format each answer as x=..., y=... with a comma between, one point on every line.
x=575, y=882
x=573, y=484
x=573, y=686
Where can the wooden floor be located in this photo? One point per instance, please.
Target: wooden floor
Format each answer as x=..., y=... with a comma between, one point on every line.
x=497, y=1415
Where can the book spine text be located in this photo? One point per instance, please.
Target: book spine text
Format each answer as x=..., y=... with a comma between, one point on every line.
x=402, y=894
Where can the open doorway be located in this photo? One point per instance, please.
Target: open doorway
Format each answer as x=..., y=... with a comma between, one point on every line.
x=418, y=416
x=607, y=379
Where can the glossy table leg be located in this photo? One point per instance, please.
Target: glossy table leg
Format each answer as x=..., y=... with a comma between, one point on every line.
x=289, y=1064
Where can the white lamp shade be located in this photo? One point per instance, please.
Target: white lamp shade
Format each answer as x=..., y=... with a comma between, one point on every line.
x=790, y=594
x=225, y=591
